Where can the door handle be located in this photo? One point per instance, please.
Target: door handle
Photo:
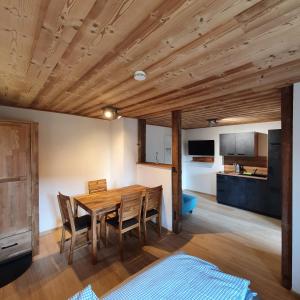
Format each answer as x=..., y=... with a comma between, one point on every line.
x=13, y=179
x=9, y=246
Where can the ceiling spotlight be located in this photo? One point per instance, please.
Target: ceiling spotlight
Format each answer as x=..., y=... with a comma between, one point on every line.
x=140, y=75
x=110, y=113
x=212, y=122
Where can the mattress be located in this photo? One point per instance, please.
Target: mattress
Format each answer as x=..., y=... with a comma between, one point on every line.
x=182, y=276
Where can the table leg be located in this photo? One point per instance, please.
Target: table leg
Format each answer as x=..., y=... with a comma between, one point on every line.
x=94, y=238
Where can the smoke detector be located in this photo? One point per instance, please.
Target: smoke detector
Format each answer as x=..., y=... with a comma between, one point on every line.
x=140, y=75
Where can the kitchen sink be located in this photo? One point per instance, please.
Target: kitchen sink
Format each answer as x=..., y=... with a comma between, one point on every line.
x=255, y=175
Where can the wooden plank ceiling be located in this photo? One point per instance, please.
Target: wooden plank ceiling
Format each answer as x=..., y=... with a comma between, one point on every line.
x=210, y=58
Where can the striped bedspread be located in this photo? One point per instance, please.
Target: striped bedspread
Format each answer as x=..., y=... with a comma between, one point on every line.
x=182, y=276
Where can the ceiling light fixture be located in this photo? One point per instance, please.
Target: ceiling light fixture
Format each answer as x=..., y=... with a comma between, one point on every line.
x=212, y=122
x=140, y=75
x=110, y=113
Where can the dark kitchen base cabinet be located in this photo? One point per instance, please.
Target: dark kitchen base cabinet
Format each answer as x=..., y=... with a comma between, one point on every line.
x=245, y=193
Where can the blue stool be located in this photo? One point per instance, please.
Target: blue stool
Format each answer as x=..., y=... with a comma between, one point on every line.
x=189, y=202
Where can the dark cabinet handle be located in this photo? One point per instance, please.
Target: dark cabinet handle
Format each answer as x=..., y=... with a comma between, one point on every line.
x=241, y=154
x=9, y=246
x=230, y=153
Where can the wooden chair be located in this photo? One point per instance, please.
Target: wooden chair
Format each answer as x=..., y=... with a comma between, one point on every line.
x=74, y=225
x=152, y=208
x=96, y=186
x=129, y=218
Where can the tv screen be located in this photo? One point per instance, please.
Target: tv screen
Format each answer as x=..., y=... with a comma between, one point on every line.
x=201, y=147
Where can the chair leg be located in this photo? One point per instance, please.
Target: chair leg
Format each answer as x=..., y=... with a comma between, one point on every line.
x=145, y=231
x=62, y=241
x=106, y=234
x=140, y=235
x=99, y=234
x=121, y=245
x=72, y=245
x=159, y=225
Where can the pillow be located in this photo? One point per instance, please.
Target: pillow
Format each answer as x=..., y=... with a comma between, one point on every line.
x=251, y=295
x=86, y=294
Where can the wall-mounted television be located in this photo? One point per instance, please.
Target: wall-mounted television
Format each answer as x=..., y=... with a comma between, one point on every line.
x=201, y=147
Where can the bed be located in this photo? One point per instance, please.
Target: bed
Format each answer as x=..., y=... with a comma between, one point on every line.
x=181, y=276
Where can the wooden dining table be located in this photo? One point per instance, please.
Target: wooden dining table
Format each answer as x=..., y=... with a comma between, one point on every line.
x=98, y=204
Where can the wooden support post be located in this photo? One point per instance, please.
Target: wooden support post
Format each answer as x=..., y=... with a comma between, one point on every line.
x=286, y=161
x=35, y=187
x=141, y=141
x=176, y=171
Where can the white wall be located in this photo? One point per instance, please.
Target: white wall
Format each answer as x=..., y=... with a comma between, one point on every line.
x=72, y=150
x=123, y=152
x=130, y=151
x=117, y=155
x=157, y=137
x=152, y=176
x=296, y=190
x=201, y=177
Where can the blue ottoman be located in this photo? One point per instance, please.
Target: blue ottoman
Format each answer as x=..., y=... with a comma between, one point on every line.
x=189, y=202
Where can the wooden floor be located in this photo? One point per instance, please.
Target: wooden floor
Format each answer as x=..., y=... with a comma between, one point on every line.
x=239, y=242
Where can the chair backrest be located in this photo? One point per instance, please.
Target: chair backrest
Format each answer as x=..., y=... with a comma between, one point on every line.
x=66, y=210
x=153, y=199
x=131, y=207
x=96, y=186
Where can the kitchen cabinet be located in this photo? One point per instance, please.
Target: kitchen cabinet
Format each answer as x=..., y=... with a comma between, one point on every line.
x=227, y=144
x=239, y=144
x=246, y=144
x=245, y=193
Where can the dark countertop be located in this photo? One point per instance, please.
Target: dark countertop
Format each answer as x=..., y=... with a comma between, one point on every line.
x=241, y=175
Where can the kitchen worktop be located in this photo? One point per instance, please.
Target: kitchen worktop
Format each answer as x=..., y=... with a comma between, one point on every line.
x=241, y=175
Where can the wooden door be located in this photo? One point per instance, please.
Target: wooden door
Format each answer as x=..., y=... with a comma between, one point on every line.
x=15, y=179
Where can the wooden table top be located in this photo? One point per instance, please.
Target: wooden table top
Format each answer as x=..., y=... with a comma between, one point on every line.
x=108, y=200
